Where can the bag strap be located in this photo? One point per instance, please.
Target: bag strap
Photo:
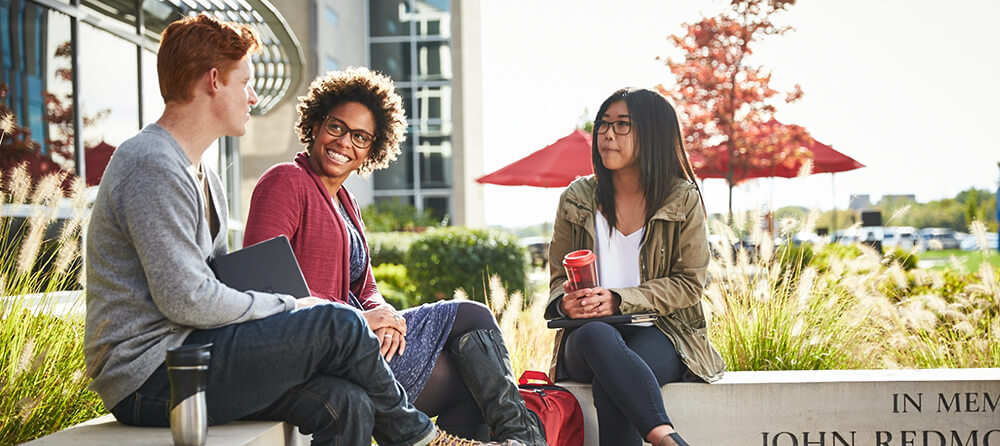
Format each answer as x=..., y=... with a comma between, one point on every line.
x=534, y=375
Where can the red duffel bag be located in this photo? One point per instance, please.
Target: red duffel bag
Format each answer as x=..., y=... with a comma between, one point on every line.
x=555, y=406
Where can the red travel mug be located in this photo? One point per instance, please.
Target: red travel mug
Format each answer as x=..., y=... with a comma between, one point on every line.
x=581, y=268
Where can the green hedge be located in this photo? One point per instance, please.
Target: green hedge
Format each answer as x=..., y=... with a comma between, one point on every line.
x=390, y=247
x=443, y=260
x=395, y=286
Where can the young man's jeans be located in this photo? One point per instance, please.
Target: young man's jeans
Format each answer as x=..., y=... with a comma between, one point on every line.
x=318, y=368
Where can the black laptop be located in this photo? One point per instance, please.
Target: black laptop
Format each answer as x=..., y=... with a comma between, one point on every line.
x=615, y=319
x=268, y=266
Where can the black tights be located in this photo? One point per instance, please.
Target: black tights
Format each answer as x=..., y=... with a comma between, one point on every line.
x=625, y=365
x=445, y=395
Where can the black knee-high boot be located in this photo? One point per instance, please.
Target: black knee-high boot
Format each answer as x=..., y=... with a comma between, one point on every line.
x=483, y=362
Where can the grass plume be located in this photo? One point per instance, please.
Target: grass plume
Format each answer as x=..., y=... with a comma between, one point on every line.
x=42, y=387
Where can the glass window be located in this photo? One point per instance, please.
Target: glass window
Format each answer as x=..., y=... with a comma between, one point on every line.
x=399, y=174
x=332, y=18
x=119, y=15
x=389, y=18
x=434, y=61
x=34, y=42
x=392, y=59
x=157, y=14
x=432, y=28
x=434, y=102
x=331, y=64
x=152, y=100
x=109, y=93
x=430, y=129
x=431, y=20
x=435, y=162
x=407, y=95
x=437, y=5
x=439, y=207
x=394, y=199
x=32, y=49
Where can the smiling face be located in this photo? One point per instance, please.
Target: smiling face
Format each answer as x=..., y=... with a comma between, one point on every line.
x=335, y=157
x=237, y=98
x=617, y=151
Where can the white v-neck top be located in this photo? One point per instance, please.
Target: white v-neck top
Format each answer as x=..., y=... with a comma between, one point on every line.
x=617, y=255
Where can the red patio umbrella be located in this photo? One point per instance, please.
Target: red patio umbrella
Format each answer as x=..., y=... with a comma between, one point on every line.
x=824, y=160
x=555, y=165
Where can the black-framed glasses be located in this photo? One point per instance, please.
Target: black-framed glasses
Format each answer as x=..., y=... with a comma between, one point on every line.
x=336, y=128
x=621, y=127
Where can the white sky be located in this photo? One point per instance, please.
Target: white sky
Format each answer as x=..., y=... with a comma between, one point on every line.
x=907, y=87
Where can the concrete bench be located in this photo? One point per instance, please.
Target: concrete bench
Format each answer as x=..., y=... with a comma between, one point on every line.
x=105, y=431
x=939, y=407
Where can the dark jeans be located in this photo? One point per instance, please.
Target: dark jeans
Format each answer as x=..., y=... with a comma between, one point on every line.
x=318, y=368
x=625, y=365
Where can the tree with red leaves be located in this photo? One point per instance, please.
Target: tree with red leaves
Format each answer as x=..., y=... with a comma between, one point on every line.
x=726, y=100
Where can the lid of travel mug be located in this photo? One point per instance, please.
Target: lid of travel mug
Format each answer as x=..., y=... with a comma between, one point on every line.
x=579, y=258
x=189, y=355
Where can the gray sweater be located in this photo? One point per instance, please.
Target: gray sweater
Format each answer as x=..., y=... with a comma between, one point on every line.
x=148, y=281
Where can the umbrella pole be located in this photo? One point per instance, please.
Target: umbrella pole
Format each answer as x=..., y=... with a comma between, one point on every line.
x=833, y=196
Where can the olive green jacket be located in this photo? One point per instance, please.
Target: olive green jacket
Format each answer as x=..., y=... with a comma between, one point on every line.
x=673, y=261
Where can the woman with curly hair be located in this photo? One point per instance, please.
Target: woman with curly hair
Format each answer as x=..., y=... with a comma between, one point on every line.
x=449, y=356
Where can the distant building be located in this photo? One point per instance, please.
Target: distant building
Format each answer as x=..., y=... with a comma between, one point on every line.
x=432, y=50
x=860, y=202
x=97, y=59
x=901, y=197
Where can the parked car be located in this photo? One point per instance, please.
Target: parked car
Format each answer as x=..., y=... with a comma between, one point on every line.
x=743, y=244
x=938, y=238
x=844, y=236
x=902, y=237
x=970, y=243
x=868, y=235
x=538, y=250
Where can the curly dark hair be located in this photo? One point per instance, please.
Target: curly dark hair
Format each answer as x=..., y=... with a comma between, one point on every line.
x=370, y=88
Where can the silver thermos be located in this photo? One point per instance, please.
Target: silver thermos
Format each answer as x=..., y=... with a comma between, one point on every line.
x=187, y=367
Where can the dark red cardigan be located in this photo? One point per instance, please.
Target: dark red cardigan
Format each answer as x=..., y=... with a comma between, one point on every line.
x=290, y=199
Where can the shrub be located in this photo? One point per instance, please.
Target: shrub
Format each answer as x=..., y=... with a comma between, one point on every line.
x=395, y=286
x=395, y=215
x=44, y=385
x=389, y=247
x=447, y=259
x=832, y=253
x=905, y=259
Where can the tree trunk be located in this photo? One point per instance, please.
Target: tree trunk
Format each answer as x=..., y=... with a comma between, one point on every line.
x=729, y=179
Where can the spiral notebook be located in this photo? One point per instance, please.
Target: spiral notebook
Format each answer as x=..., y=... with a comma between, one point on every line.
x=268, y=266
x=615, y=319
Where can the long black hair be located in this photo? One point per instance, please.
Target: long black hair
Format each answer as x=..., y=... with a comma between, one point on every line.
x=656, y=135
